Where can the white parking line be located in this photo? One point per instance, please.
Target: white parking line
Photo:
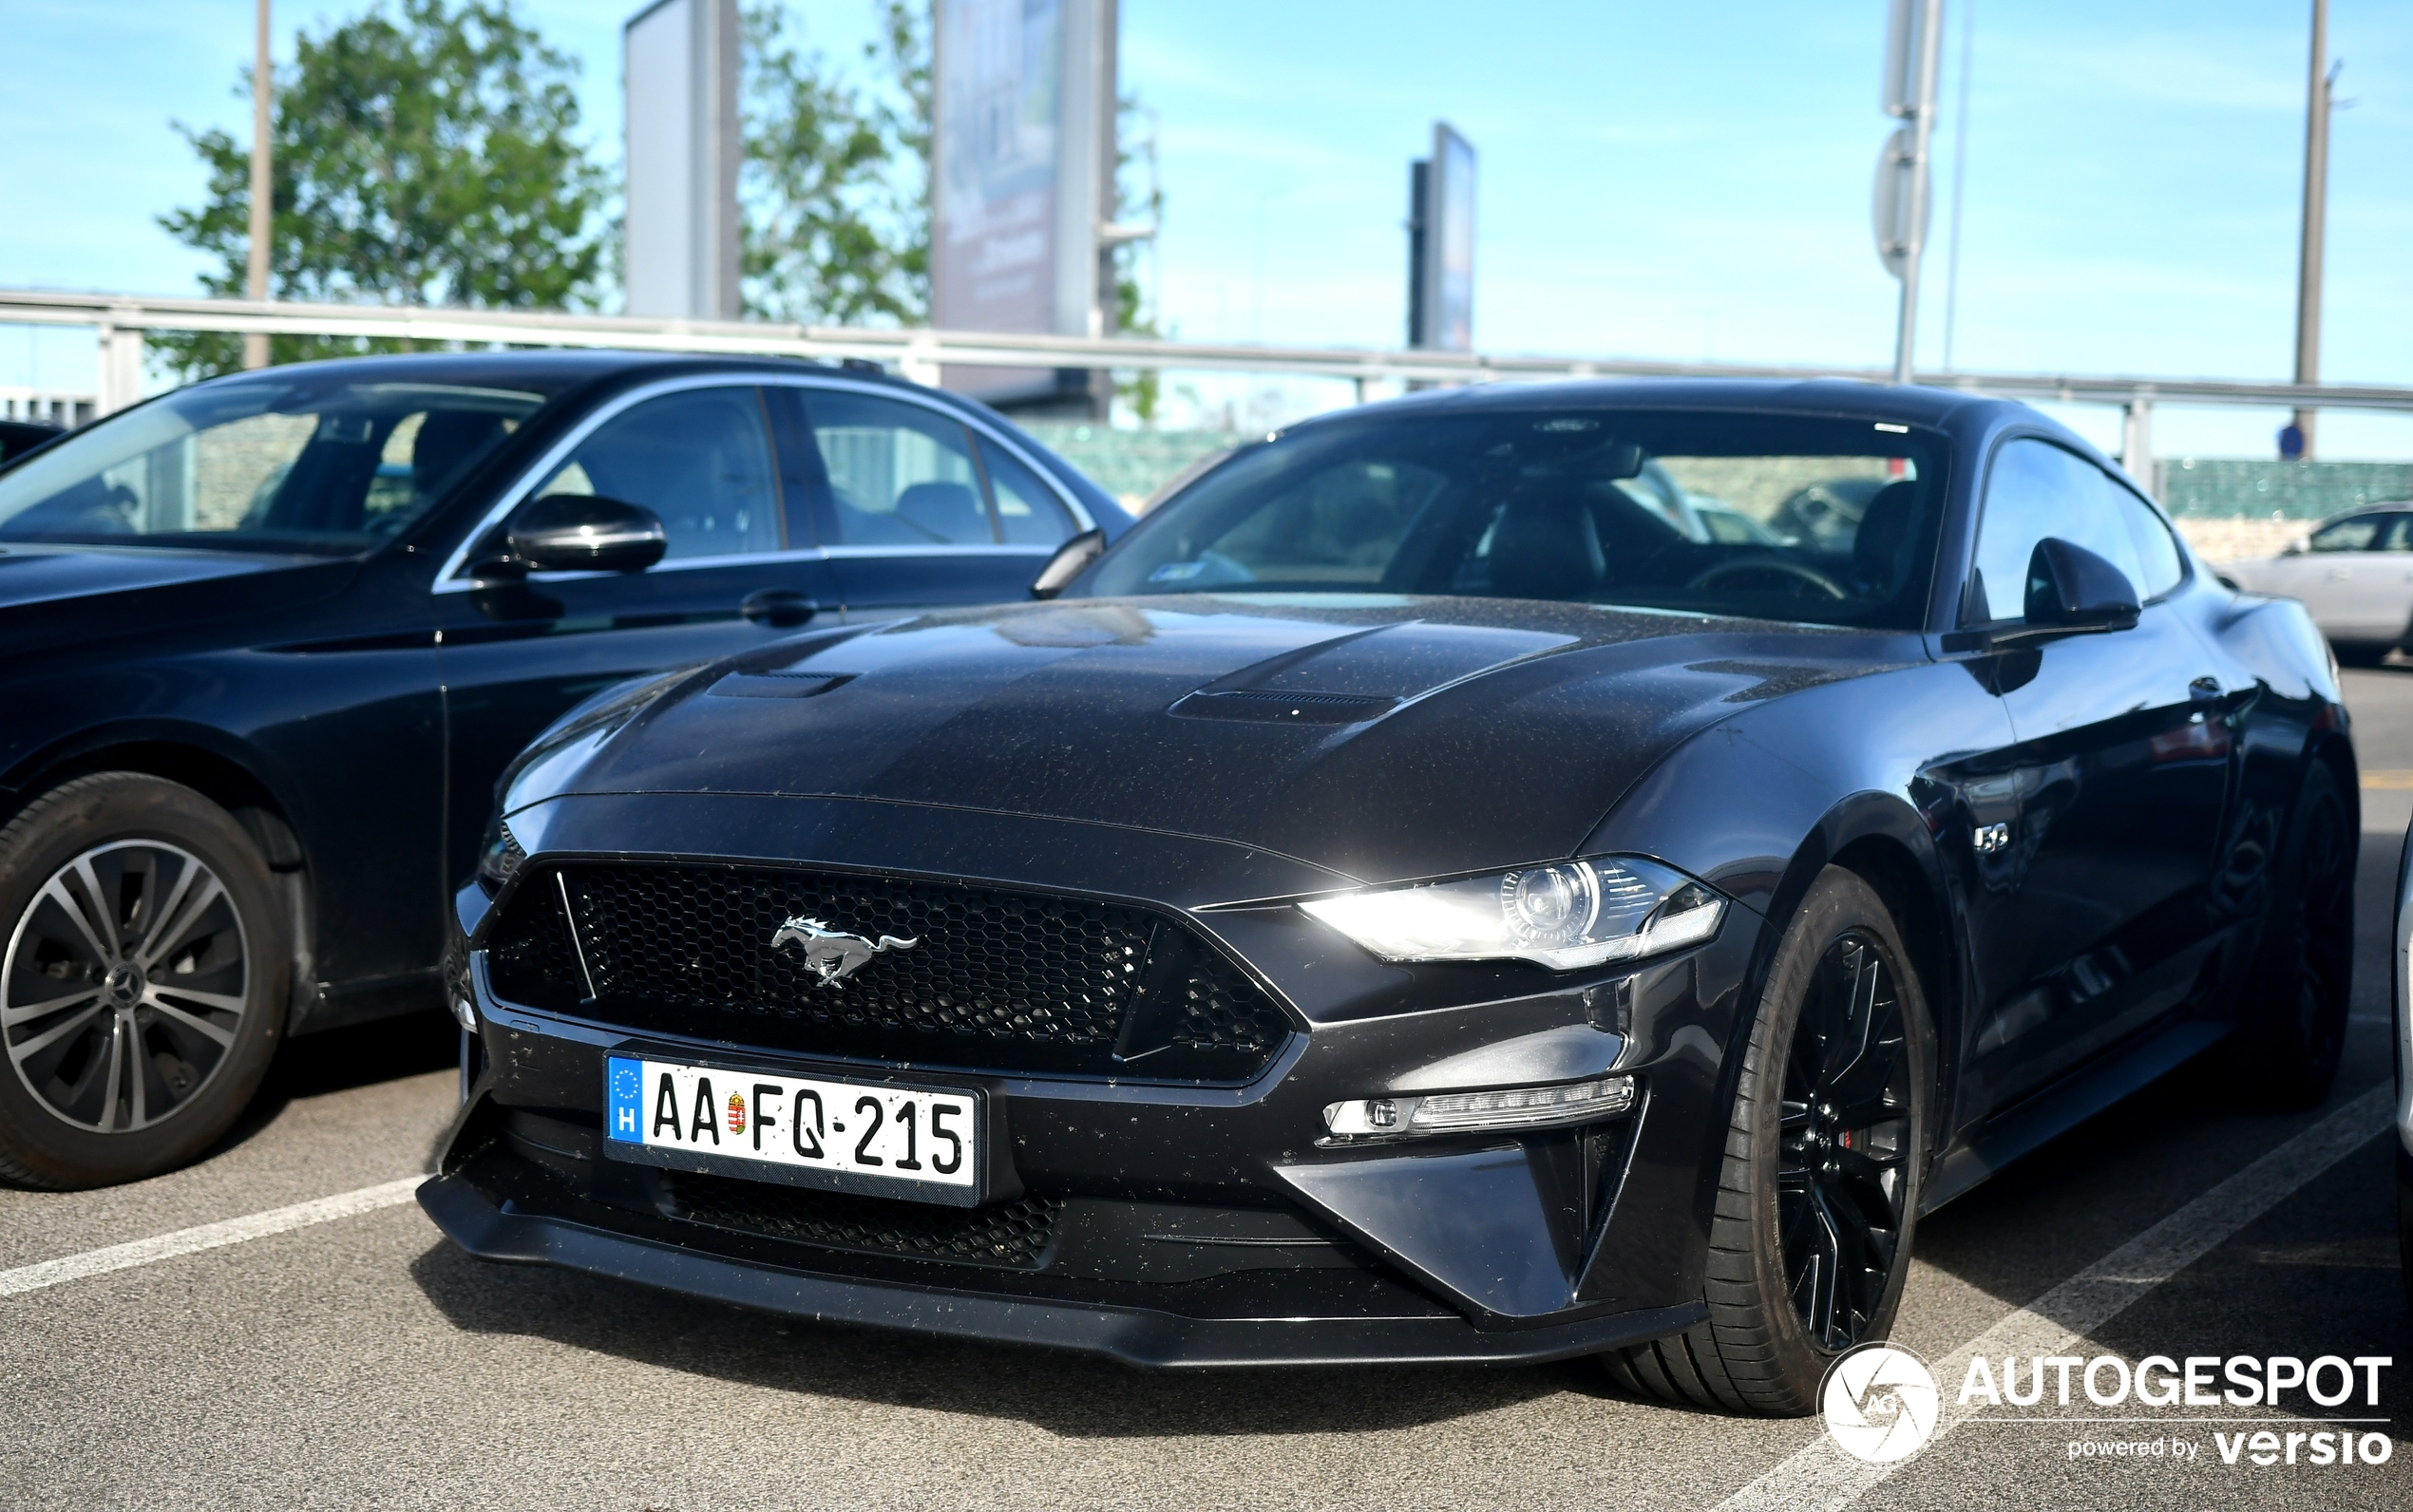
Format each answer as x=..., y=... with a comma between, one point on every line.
x=207, y=1237
x=1821, y=1475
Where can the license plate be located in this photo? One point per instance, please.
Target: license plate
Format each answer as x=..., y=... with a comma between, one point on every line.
x=874, y=1137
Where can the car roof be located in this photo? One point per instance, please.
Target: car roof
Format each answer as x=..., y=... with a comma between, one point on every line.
x=551, y=371
x=1845, y=397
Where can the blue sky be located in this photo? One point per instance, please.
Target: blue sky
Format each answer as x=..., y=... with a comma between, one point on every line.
x=1656, y=180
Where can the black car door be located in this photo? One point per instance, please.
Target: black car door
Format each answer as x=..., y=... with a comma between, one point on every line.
x=2102, y=919
x=742, y=569
x=918, y=509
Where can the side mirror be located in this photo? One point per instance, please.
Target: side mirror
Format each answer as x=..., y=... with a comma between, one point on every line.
x=2296, y=546
x=2073, y=592
x=584, y=533
x=1067, y=563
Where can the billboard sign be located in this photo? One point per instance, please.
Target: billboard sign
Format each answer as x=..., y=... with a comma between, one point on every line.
x=1443, y=260
x=681, y=226
x=1021, y=161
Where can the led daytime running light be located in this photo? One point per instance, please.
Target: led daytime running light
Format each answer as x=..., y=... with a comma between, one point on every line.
x=1456, y=1112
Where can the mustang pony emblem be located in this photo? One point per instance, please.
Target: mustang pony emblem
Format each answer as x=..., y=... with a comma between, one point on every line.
x=834, y=955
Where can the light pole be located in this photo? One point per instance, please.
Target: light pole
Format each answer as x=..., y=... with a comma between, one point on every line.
x=256, y=274
x=1914, y=40
x=2316, y=197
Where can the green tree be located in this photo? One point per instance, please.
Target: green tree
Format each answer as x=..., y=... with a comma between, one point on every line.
x=426, y=156
x=835, y=228
x=1139, y=198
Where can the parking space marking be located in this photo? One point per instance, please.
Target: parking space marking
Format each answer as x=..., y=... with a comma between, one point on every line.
x=2387, y=781
x=207, y=1237
x=1820, y=1475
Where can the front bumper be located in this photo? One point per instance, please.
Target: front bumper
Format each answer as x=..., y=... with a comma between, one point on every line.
x=1135, y=1334
x=1277, y=1247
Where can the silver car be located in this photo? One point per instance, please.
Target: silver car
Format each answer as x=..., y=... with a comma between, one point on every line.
x=2398, y=991
x=2355, y=573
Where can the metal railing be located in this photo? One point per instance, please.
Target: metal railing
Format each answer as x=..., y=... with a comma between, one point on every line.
x=918, y=353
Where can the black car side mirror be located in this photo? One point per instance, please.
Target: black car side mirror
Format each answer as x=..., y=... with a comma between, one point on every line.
x=2073, y=592
x=1067, y=563
x=585, y=533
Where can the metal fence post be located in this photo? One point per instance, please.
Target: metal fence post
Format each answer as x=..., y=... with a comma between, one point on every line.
x=120, y=375
x=2136, y=437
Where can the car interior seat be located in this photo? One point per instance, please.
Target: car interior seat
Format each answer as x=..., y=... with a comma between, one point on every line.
x=945, y=512
x=448, y=442
x=1546, y=545
x=1888, y=531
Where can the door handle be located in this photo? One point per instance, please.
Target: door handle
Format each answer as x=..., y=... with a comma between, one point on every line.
x=778, y=607
x=2203, y=690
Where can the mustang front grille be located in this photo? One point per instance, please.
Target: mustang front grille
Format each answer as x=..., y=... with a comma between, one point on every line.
x=928, y=973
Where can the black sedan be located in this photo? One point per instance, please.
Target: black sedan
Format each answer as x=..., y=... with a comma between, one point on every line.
x=1423, y=894
x=267, y=642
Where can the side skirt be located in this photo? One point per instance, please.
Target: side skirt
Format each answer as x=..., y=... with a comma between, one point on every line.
x=2058, y=1108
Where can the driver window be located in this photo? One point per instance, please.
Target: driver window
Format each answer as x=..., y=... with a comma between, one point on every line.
x=701, y=460
x=2359, y=534
x=2037, y=490
x=900, y=475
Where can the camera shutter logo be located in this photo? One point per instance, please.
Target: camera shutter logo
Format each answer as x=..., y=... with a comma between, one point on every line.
x=1880, y=1403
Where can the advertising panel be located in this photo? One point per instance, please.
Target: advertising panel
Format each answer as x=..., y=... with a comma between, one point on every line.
x=1021, y=150
x=1449, y=261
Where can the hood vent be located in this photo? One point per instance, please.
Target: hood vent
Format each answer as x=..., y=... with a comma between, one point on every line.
x=778, y=685
x=1258, y=707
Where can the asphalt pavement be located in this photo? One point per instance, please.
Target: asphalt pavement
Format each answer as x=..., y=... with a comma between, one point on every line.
x=302, y=1360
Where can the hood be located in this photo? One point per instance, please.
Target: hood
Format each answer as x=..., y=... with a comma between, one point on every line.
x=55, y=593
x=1382, y=738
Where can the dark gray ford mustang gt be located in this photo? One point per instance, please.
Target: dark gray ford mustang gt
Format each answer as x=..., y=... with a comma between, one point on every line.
x=1500, y=875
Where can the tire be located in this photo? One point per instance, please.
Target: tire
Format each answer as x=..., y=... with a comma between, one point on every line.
x=139, y=1004
x=2404, y=1219
x=2291, y=1020
x=1840, y=977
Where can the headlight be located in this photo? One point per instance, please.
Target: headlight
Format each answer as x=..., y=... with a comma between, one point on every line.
x=499, y=855
x=1562, y=915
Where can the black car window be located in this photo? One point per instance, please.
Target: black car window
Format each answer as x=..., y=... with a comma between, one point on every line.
x=900, y=475
x=262, y=463
x=2362, y=533
x=1825, y=520
x=2036, y=489
x=700, y=459
x=2158, y=562
x=1028, y=514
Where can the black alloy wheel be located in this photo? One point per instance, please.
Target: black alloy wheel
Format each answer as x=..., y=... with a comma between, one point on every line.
x=1810, y=1242
x=141, y=983
x=2292, y=1028
x=1844, y=1125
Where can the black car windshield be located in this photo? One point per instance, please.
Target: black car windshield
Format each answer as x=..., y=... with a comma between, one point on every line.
x=1776, y=517
x=266, y=464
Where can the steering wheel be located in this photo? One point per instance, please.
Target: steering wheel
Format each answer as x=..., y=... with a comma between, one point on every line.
x=1771, y=565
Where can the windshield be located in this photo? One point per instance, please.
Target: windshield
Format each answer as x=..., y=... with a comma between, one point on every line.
x=264, y=464
x=1776, y=517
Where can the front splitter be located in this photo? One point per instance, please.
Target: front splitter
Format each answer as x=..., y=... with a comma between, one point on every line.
x=1133, y=1336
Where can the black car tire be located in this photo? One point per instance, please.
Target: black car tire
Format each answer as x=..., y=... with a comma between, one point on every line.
x=1761, y=1352
x=167, y=842
x=2291, y=1022
x=2404, y=1219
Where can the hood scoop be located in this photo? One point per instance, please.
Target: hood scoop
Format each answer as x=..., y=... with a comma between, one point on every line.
x=778, y=684
x=1353, y=679
x=1260, y=706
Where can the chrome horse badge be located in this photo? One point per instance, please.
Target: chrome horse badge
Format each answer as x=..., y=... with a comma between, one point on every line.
x=833, y=955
